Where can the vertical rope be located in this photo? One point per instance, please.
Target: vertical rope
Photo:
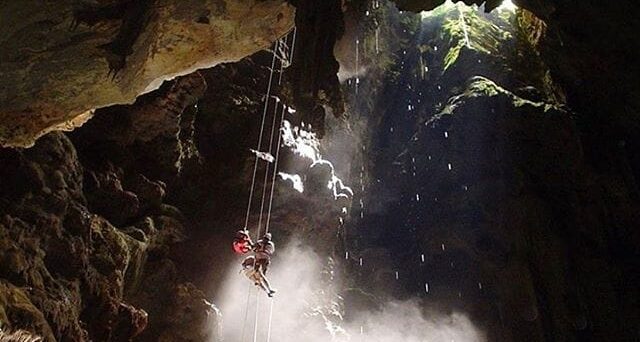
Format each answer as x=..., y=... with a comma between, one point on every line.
x=253, y=179
x=264, y=191
x=266, y=176
x=246, y=311
x=275, y=169
x=255, y=325
x=293, y=44
x=266, y=171
x=255, y=164
x=270, y=317
x=290, y=57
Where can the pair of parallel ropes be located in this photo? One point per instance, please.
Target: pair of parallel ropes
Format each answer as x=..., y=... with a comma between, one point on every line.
x=280, y=44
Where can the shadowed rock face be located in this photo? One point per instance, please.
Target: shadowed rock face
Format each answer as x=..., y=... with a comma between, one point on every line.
x=488, y=176
x=76, y=244
x=62, y=59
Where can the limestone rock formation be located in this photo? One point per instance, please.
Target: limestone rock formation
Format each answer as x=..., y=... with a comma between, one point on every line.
x=75, y=243
x=60, y=60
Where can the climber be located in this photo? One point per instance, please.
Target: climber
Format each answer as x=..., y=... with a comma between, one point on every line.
x=263, y=250
x=257, y=277
x=242, y=243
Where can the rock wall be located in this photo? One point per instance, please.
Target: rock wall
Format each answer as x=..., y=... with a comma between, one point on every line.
x=84, y=250
x=493, y=203
x=63, y=59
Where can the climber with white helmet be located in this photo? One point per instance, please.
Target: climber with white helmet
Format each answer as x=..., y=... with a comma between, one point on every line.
x=263, y=250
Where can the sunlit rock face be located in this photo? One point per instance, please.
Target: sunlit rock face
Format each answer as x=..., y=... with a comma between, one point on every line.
x=592, y=59
x=62, y=59
x=428, y=5
x=491, y=205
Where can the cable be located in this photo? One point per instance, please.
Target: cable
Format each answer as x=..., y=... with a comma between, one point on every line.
x=255, y=325
x=270, y=316
x=253, y=178
x=266, y=172
x=255, y=164
x=275, y=170
x=246, y=311
x=264, y=191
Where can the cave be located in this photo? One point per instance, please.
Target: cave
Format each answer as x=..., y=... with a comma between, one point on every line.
x=398, y=170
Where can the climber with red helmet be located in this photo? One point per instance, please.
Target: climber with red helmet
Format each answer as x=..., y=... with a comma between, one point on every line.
x=242, y=243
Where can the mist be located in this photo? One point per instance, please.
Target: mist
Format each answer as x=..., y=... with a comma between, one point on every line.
x=308, y=308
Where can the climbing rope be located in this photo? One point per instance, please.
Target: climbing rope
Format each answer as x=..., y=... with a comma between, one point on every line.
x=290, y=59
x=270, y=318
x=266, y=172
x=255, y=165
x=253, y=181
x=246, y=310
x=255, y=324
x=275, y=170
x=273, y=180
x=262, y=202
x=277, y=47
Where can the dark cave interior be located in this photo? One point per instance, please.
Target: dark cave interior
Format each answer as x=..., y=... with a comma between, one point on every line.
x=443, y=170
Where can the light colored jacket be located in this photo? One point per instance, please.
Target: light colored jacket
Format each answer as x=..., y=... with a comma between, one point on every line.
x=264, y=249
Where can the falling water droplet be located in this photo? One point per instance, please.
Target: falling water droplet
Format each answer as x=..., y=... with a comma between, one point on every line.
x=346, y=255
x=449, y=166
x=480, y=285
x=426, y=287
x=443, y=246
x=360, y=261
x=396, y=275
x=422, y=257
x=446, y=134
